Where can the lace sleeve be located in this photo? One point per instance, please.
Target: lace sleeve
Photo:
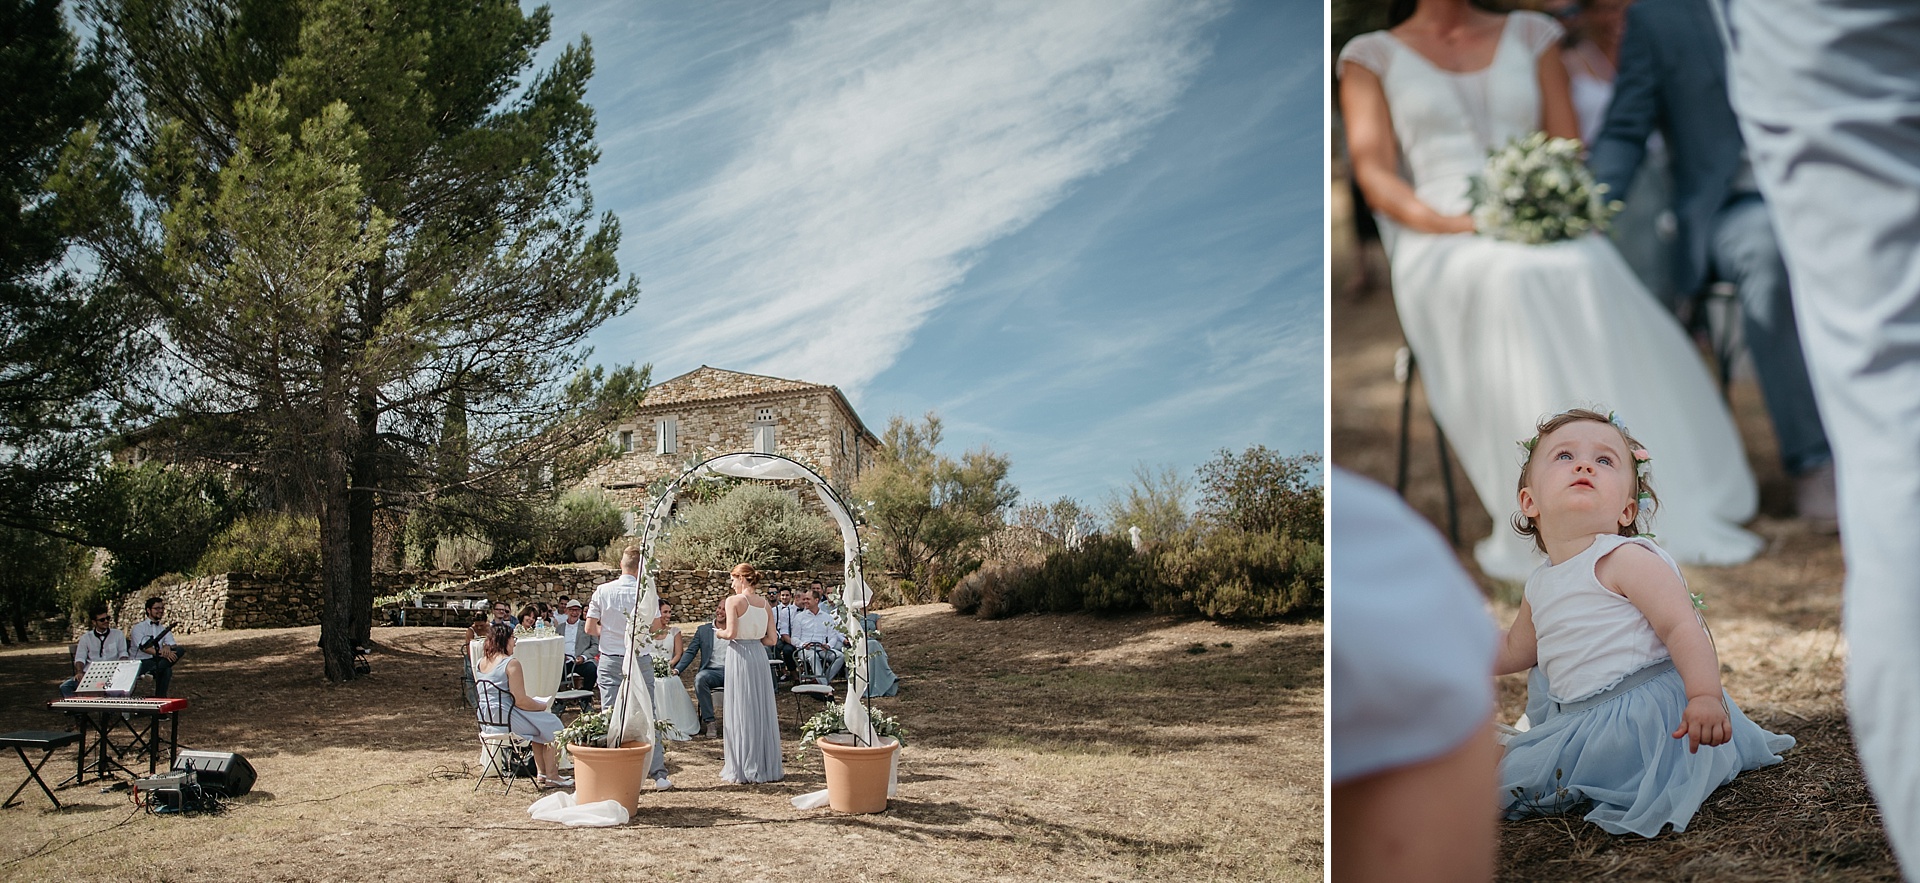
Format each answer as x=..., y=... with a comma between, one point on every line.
x=1536, y=30
x=1371, y=51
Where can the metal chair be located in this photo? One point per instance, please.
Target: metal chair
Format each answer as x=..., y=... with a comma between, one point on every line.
x=1405, y=370
x=504, y=749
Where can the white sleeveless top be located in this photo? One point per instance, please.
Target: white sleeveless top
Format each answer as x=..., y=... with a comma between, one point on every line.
x=1590, y=638
x=752, y=625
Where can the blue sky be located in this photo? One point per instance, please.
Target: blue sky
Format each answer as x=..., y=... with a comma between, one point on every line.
x=1087, y=234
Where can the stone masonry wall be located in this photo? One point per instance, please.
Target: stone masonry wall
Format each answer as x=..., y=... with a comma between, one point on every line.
x=246, y=601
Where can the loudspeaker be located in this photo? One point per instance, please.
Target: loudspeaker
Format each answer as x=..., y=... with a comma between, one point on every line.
x=228, y=774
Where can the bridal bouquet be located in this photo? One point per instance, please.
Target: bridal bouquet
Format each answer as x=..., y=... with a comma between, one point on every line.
x=1535, y=190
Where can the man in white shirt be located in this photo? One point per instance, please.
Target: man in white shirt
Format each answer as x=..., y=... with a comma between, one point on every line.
x=816, y=643
x=100, y=643
x=154, y=646
x=783, y=608
x=607, y=614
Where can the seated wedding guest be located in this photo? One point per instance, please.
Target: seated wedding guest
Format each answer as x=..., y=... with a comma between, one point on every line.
x=101, y=642
x=503, y=612
x=476, y=639
x=1412, y=748
x=880, y=679
x=154, y=646
x=583, y=649
x=783, y=608
x=529, y=616
x=713, y=673
x=816, y=644
x=529, y=716
x=825, y=597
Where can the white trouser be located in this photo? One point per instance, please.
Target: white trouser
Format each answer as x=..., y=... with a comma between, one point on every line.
x=1828, y=95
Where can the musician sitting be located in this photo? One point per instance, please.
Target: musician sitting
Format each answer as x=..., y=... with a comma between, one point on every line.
x=154, y=646
x=100, y=643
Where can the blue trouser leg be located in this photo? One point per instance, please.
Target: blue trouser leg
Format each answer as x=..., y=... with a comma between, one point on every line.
x=1829, y=101
x=658, y=760
x=703, y=687
x=608, y=678
x=1744, y=251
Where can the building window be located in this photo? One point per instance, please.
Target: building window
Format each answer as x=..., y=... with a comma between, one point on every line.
x=763, y=439
x=763, y=415
x=626, y=441
x=666, y=436
x=843, y=441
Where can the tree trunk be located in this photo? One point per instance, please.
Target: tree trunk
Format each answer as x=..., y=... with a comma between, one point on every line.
x=366, y=466
x=336, y=523
x=360, y=528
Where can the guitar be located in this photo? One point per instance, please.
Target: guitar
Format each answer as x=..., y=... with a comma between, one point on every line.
x=151, y=644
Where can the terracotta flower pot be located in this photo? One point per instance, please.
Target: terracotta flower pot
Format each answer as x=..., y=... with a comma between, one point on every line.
x=857, y=775
x=610, y=773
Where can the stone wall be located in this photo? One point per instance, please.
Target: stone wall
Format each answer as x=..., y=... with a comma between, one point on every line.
x=694, y=593
x=246, y=601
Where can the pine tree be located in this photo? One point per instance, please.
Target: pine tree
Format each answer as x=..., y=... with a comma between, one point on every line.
x=357, y=218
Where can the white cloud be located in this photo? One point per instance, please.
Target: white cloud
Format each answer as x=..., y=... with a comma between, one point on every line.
x=882, y=147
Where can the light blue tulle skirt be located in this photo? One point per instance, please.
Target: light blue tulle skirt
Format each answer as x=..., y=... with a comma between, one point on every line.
x=1620, y=754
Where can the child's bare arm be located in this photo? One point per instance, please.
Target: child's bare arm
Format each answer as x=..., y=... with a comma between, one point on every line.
x=1657, y=592
x=1519, y=646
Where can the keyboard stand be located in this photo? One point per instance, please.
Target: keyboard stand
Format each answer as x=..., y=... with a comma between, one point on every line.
x=146, y=740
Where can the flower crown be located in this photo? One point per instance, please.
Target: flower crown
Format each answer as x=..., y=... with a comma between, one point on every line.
x=1642, y=472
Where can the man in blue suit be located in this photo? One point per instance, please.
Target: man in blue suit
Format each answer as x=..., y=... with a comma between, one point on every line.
x=713, y=672
x=1672, y=80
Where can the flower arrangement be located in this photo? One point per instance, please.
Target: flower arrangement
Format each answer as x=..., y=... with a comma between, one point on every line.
x=834, y=720
x=1536, y=190
x=661, y=668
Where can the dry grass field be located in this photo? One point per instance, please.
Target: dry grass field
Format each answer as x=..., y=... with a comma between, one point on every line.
x=1041, y=747
x=1775, y=619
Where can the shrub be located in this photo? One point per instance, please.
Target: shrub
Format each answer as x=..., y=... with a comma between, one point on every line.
x=460, y=553
x=585, y=517
x=756, y=523
x=1234, y=574
x=273, y=543
x=986, y=590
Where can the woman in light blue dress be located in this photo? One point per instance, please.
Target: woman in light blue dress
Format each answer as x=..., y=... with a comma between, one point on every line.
x=750, y=746
x=527, y=717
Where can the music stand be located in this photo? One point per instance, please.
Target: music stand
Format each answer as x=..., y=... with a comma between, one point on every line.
x=109, y=678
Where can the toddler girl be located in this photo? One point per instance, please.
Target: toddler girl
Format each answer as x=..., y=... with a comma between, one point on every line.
x=1624, y=699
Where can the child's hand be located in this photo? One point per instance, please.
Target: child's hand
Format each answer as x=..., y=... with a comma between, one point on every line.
x=1705, y=722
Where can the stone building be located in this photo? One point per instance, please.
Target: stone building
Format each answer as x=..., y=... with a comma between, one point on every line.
x=709, y=411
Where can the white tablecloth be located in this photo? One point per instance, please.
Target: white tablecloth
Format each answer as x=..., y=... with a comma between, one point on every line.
x=541, y=662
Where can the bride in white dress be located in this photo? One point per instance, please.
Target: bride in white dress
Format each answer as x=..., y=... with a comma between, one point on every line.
x=1505, y=333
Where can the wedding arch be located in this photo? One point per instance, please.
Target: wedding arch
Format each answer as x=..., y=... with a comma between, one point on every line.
x=633, y=713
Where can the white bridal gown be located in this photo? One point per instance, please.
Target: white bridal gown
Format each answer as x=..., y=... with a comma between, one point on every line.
x=1506, y=333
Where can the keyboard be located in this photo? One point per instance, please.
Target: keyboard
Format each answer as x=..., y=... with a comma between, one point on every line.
x=144, y=706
